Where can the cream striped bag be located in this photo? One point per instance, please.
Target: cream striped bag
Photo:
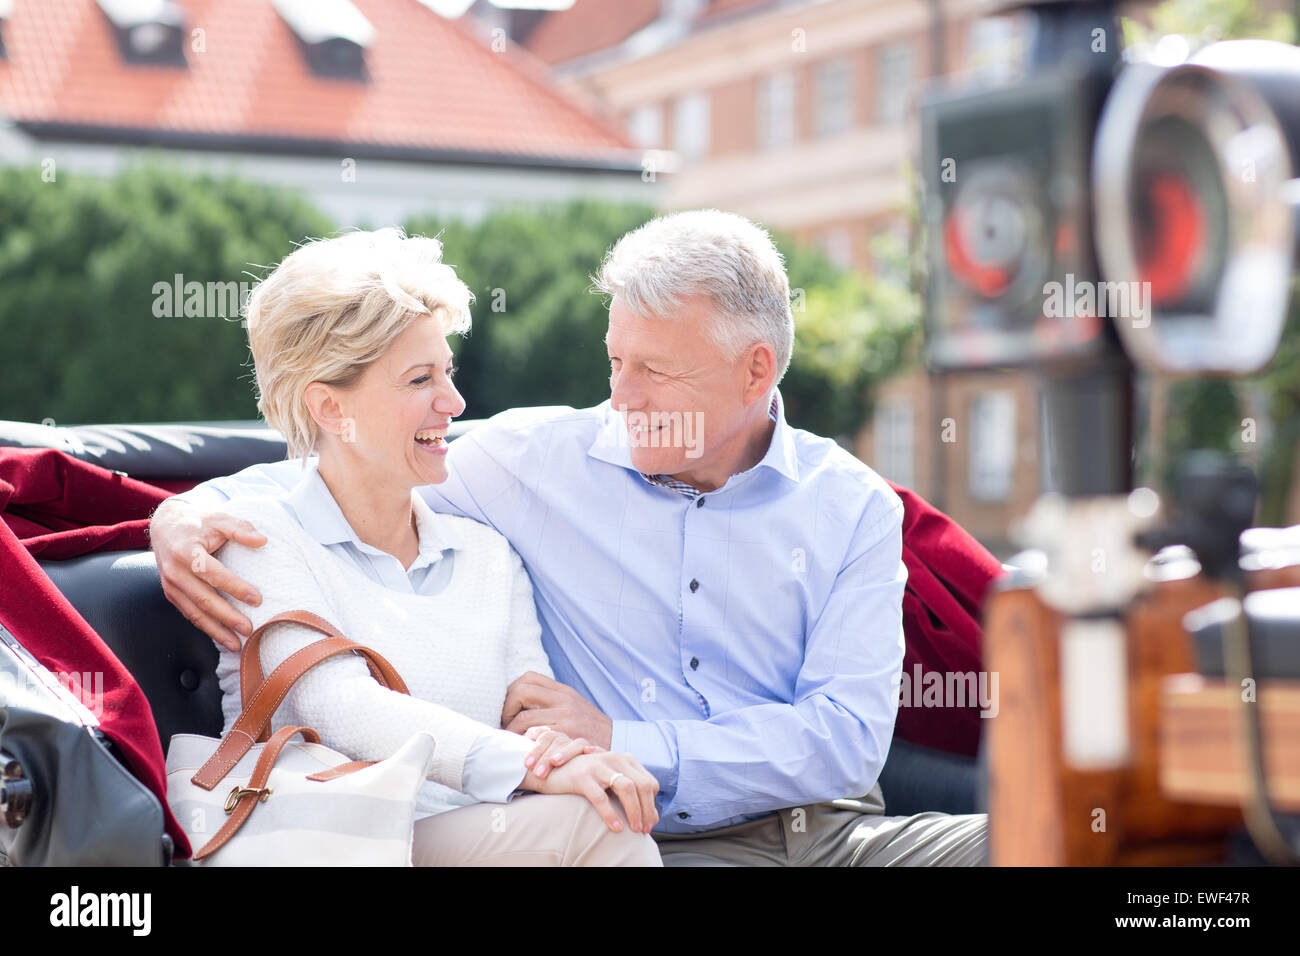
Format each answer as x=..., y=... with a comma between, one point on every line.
x=253, y=800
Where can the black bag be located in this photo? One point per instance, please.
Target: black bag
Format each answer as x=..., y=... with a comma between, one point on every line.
x=65, y=799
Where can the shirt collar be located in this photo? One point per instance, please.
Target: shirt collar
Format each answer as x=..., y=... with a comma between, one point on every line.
x=612, y=444
x=322, y=518
x=781, y=455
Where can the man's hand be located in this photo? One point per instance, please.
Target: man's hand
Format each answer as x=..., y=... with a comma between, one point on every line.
x=534, y=700
x=184, y=538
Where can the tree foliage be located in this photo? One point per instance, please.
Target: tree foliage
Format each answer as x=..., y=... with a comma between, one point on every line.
x=79, y=261
x=853, y=334
x=82, y=261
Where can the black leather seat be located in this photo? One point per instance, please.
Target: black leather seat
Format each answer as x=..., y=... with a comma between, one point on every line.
x=156, y=452
x=120, y=595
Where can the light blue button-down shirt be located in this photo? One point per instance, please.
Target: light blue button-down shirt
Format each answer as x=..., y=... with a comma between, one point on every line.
x=747, y=644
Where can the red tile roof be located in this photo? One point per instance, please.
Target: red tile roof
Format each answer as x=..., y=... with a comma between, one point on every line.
x=432, y=87
x=720, y=7
x=589, y=26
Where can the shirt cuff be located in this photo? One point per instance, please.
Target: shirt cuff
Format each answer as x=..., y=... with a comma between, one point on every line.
x=646, y=741
x=494, y=766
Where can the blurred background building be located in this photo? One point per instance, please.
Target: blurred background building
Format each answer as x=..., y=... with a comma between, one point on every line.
x=799, y=115
x=375, y=116
x=530, y=134
x=803, y=116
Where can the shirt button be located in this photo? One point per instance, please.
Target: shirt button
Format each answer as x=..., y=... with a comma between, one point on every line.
x=699, y=502
x=695, y=585
x=695, y=663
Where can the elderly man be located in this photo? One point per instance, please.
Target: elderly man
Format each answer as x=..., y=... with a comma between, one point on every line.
x=719, y=593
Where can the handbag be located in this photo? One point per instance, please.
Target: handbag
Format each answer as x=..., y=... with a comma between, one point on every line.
x=66, y=796
x=253, y=798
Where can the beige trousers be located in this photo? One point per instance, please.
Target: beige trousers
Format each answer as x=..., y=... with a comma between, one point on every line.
x=839, y=833
x=531, y=830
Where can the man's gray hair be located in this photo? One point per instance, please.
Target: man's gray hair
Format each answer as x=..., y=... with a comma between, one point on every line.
x=707, y=252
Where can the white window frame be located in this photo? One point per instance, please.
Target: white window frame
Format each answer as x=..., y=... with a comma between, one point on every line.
x=833, y=90
x=645, y=126
x=895, y=81
x=894, y=441
x=778, y=96
x=692, y=130
x=995, y=49
x=991, y=443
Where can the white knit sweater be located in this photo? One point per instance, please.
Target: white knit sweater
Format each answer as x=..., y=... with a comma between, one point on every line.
x=457, y=651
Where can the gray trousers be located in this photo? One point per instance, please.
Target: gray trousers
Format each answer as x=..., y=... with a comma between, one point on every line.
x=838, y=833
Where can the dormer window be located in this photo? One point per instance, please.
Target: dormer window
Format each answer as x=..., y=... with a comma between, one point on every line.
x=334, y=35
x=148, y=31
x=6, y=11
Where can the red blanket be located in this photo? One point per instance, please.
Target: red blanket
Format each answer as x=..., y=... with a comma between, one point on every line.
x=59, y=507
x=948, y=575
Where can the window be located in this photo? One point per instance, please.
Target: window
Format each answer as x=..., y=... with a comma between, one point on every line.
x=992, y=444
x=691, y=127
x=995, y=51
x=6, y=11
x=834, y=84
x=895, y=78
x=334, y=35
x=646, y=127
x=894, y=441
x=838, y=246
x=776, y=94
x=148, y=31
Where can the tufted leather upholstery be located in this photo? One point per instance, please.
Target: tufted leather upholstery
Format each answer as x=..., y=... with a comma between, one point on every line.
x=162, y=452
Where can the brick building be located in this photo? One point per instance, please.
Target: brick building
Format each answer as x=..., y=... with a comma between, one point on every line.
x=803, y=116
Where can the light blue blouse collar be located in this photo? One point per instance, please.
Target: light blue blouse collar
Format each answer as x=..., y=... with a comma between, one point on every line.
x=323, y=519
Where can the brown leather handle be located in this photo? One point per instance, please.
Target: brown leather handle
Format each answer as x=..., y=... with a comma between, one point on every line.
x=250, y=660
x=246, y=798
x=254, y=721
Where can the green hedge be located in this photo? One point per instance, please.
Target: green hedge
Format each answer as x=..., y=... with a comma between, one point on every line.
x=81, y=260
x=95, y=332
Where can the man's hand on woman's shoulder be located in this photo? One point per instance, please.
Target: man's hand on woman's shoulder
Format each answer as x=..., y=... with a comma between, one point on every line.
x=184, y=539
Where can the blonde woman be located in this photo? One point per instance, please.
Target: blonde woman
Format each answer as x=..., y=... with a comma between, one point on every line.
x=348, y=337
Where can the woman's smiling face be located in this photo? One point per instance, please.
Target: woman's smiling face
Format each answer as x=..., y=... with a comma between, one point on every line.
x=393, y=420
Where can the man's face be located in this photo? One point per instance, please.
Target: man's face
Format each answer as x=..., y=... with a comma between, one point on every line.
x=682, y=399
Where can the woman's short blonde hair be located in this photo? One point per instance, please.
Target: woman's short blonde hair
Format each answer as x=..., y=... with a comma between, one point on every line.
x=332, y=307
